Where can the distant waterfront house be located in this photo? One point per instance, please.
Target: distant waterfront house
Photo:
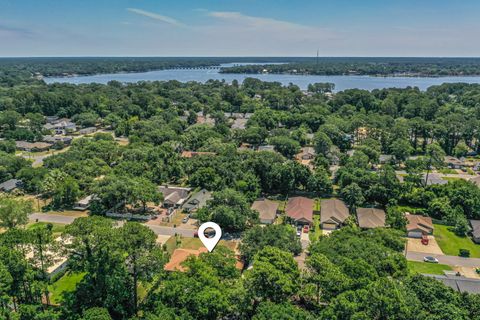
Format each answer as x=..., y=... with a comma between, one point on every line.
x=333, y=214
x=370, y=218
x=475, y=230
x=83, y=204
x=267, y=210
x=32, y=146
x=300, y=209
x=418, y=225
x=197, y=201
x=174, y=196
x=10, y=185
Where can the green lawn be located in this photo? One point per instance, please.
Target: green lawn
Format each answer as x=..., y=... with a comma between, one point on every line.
x=450, y=243
x=428, y=268
x=57, y=229
x=67, y=283
x=317, y=232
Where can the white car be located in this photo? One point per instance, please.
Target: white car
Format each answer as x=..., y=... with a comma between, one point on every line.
x=430, y=259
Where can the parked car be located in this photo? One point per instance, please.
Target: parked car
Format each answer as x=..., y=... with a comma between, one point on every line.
x=185, y=220
x=299, y=232
x=430, y=259
x=306, y=229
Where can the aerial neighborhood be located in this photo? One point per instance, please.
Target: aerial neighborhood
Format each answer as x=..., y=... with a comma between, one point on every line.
x=322, y=196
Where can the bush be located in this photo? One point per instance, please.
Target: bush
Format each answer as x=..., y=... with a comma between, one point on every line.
x=464, y=253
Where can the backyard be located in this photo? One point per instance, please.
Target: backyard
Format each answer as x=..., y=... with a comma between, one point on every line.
x=450, y=243
x=66, y=283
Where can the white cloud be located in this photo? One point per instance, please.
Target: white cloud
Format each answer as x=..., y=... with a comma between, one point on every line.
x=157, y=16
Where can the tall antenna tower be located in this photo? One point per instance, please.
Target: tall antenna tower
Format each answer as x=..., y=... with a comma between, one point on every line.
x=317, y=57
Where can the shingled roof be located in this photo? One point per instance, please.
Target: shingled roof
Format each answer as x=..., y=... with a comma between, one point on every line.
x=370, y=217
x=300, y=209
x=266, y=208
x=333, y=211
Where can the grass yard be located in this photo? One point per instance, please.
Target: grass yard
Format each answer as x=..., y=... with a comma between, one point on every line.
x=428, y=268
x=317, y=231
x=57, y=230
x=195, y=244
x=450, y=243
x=67, y=283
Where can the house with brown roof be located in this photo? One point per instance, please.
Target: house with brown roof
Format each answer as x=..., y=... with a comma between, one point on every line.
x=306, y=153
x=333, y=214
x=370, y=218
x=300, y=209
x=418, y=225
x=267, y=210
x=475, y=230
x=32, y=147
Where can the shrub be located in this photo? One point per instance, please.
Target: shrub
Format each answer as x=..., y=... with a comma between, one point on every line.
x=464, y=253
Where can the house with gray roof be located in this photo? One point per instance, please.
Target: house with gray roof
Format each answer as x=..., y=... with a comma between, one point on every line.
x=10, y=185
x=475, y=230
x=174, y=196
x=267, y=210
x=197, y=201
x=458, y=282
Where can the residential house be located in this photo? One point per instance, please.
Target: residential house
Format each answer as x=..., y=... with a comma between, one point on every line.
x=306, y=153
x=267, y=210
x=66, y=140
x=458, y=282
x=32, y=146
x=10, y=185
x=197, y=201
x=434, y=179
x=239, y=123
x=266, y=148
x=475, y=230
x=333, y=214
x=454, y=163
x=174, y=197
x=191, y=154
x=385, y=158
x=88, y=130
x=418, y=225
x=370, y=218
x=83, y=204
x=300, y=209
x=61, y=126
x=476, y=180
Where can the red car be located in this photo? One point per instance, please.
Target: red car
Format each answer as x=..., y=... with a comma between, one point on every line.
x=306, y=229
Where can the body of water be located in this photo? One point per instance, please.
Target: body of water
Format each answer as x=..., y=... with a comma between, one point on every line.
x=203, y=75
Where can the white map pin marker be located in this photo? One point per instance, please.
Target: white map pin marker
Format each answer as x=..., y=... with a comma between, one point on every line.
x=210, y=243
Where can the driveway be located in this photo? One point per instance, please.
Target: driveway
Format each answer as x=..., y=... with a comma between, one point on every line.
x=443, y=259
x=416, y=245
x=159, y=230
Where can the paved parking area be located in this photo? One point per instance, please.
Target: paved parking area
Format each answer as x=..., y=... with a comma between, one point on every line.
x=415, y=245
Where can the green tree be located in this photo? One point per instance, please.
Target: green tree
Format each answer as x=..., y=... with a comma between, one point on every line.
x=14, y=212
x=274, y=276
x=353, y=196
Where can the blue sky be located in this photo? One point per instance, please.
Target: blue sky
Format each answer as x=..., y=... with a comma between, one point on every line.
x=239, y=28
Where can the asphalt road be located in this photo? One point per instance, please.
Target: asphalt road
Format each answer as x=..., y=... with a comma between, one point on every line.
x=159, y=230
x=448, y=260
